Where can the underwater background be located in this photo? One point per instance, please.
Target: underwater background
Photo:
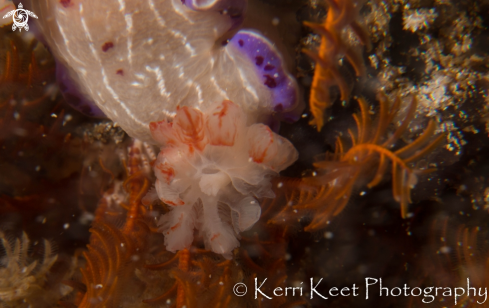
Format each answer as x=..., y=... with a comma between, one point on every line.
x=401, y=197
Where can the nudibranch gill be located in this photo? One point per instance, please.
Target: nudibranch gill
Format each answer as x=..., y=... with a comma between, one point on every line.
x=139, y=60
x=211, y=169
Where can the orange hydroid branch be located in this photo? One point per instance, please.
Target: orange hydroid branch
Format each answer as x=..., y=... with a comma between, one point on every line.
x=366, y=161
x=341, y=14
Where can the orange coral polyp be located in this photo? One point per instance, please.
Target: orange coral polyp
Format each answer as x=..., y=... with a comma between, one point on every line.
x=212, y=165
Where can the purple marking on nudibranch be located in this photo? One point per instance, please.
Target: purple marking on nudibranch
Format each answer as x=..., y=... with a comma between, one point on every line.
x=259, y=60
x=270, y=82
x=65, y=3
x=260, y=50
x=120, y=72
x=107, y=46
x=279, y=108
x=73, y=96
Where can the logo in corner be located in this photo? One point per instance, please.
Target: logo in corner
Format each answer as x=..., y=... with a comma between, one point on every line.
x=20, y=18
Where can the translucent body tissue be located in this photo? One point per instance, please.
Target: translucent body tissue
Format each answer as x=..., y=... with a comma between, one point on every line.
x=210, y=170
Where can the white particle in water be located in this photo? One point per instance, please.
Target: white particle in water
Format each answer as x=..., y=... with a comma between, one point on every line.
x=328, y=235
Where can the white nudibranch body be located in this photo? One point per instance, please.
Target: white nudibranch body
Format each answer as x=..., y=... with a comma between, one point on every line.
x=211, y=169
x=138, y=60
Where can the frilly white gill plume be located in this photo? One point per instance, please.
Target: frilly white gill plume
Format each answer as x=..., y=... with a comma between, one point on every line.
x=210, y=170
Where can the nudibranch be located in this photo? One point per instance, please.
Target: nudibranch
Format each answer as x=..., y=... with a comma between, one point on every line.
x=211, y=169
x=5, y=7
x=140, y=60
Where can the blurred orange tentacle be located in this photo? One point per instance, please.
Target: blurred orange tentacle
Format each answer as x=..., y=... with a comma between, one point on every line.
x=340, y=15
x=326, y=194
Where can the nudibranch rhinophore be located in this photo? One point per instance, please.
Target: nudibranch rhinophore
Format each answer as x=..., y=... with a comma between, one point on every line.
x=139, y=60
x=211, y=168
